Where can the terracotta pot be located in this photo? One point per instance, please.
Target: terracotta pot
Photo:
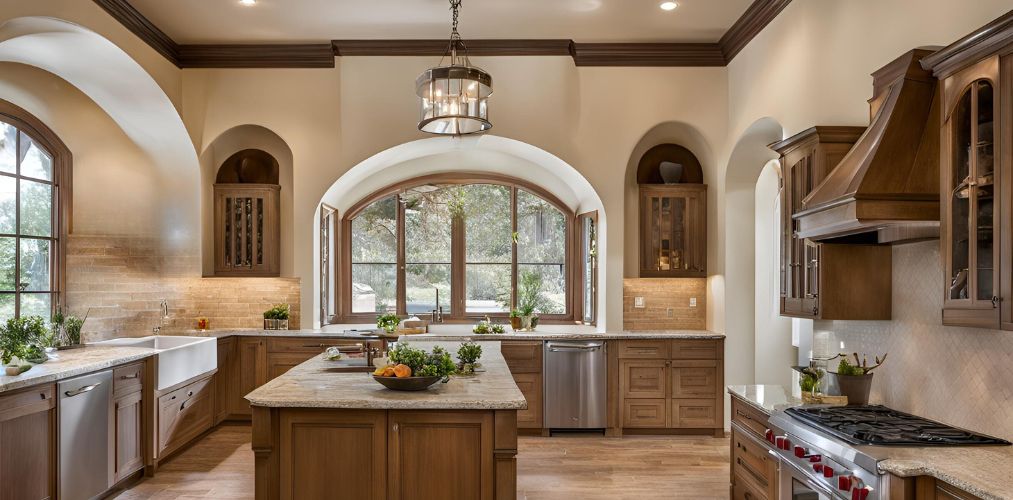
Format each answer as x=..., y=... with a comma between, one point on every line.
x=515, y=322
x=855, y=387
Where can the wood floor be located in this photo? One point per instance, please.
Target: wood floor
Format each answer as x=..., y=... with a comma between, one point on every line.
x=558, y=468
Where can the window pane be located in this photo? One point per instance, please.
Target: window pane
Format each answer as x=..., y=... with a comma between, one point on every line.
x=422, y=283
x=35, y=162
x=35, y=265
x=374, y=233
x=541, y=231
x=8, y=142
x=6, y=306
x=36, y=208
x=542, y=285
x=487, y=223
x=589, y=253
x=7, y=264
x=36, y=304
x=8, y=199
x=488, y=289
x=429, y=211
x=373, y=288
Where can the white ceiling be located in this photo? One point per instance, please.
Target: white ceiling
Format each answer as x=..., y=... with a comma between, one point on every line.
x=226, y=21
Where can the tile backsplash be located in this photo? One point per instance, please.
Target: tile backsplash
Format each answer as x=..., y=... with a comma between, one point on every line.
x=666, y=304
x=960, y=376
x=120, y=281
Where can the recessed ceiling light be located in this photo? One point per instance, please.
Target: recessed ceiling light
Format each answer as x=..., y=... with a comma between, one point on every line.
x=668, y=5
x=247, y=2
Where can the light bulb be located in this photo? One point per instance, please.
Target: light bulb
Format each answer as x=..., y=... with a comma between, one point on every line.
x=668, y=5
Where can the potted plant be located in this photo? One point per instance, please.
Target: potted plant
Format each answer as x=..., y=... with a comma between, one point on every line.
x=276, y=318
x=468, y=355
x=23, y=340
x=515, y=319
x=72, y=328
x=529, y=299
x=855, y=380
x=388, y=322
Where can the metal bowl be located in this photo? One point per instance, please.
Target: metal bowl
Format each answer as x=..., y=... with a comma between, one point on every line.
x=407, y=383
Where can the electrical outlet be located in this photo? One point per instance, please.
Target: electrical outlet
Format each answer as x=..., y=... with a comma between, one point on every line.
x=692, y=302
x=671, y=312
x=638, y=302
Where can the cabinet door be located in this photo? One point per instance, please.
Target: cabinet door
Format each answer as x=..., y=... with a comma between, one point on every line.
x=811, y=284
x=695, y=414
x=183, y=415
x=673, y=230
x=970, y=243
x=522, y=356
x=279, y=363
x=129, y=424
x=247, y=229
x=530, y=385
x=440, y=456
x=252, y=373
x=226, y=379
x=753, y=465
x=694, y=379
x=644, y=379
x=645, y=413
x=27, y=444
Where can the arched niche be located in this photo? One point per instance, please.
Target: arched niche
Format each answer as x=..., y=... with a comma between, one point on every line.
x=655, y=160
x=249, y=166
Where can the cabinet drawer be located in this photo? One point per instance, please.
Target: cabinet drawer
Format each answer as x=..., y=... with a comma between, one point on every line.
x=530, y=385
x=280, y=362
x=310, y=345
x=523, y=357
x=649, y=413
x=743, y=490
x=23, y=402
x=695, y=414
x=128, y=379
x=696, y=349
x=752, y=464
x=694, y=379
x=751, y=419
x=643, y=349
x=643, y=379
x=183, y=415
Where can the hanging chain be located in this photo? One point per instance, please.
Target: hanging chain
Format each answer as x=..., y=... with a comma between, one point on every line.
x=455, y=5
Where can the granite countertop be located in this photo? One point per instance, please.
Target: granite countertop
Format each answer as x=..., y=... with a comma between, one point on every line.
x=766, y=398
x=625, y=335
x=73, y=362
x=312, y=385
x=980, y=470
x=253, y=332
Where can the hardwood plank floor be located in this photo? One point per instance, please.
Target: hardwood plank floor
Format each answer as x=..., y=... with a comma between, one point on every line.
x=558, y=468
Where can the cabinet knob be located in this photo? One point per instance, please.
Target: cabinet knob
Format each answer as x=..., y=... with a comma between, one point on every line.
x=395, y=428
x=995, y=301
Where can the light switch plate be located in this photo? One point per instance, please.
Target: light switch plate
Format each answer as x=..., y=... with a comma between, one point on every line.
x=671, y=312
x=692, y=302
x=638, y=302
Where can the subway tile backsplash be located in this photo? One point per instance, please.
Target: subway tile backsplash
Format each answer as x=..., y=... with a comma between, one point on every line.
x=666, y=304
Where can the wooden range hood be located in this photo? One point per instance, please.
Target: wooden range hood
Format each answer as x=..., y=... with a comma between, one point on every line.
x=886, y=188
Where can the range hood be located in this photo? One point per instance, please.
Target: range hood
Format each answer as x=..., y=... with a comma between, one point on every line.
x=886, y=189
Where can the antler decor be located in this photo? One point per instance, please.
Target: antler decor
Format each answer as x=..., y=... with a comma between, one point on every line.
x=864, y=363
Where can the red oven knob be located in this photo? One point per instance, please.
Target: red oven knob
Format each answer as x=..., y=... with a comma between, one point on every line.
x=844, y=483
x=800, y=452
x=787, y=444
x=815, y=458
x=779, y=442
x=828, y=471
x=770, y=436
x=860, y=493
x=818, y=467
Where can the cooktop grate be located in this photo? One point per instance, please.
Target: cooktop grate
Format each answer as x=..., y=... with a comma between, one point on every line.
x=879, y=425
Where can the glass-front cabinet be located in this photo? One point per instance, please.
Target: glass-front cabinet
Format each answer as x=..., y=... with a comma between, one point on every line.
x=970, y=195
x=673, y=230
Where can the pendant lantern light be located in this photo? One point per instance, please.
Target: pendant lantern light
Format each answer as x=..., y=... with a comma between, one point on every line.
x=454, y=98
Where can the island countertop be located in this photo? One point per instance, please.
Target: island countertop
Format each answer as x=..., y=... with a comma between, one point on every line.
x=314, y=384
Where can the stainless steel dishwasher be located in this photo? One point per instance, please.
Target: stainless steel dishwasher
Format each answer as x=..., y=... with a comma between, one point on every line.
x=575, y=384
x=84, y=407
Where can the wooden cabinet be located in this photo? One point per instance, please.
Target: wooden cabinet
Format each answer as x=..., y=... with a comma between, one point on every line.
x=441, y=455
x=184, y=414
x=525, y=361
x=226, y=379
x=674, y=384
x=673, y=230
x=28, y=444
x=833, y=281
x=252, y=358
x=754, y=472
x=128, y=420
x=926, y=488
x=247, y=225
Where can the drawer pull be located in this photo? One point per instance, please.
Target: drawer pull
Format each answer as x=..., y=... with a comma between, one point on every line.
x=313, y=345
x=128, y=377
x=189, y=393
x=743, y=415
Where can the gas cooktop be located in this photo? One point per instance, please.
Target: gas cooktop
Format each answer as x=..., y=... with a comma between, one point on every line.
x=879, y=425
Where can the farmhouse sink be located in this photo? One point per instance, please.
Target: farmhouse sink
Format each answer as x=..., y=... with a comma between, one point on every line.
x=179, y=358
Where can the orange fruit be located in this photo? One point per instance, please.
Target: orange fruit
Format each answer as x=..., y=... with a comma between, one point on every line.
x=388, y=371
x=402, y=371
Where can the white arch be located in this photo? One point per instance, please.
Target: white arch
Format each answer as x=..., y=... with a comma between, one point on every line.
x=486, y=153
x=129, y=95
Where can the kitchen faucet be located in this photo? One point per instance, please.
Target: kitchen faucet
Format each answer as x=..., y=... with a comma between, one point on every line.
x=437, y=314
x=164, y=306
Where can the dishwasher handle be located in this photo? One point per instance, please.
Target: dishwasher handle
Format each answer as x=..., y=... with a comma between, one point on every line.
x=82, y=390
x=564, y=347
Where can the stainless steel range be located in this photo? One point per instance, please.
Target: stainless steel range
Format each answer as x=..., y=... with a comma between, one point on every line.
x=829, y=453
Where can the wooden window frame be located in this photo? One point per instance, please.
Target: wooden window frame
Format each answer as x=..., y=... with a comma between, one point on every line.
x=458, y=313
x=62, y=201
x=578, y=271
x=329, y=231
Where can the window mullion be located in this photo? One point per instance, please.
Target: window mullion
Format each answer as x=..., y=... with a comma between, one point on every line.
x=402, y=306
x=457, y=268
x=17, y=224
x=513, y=247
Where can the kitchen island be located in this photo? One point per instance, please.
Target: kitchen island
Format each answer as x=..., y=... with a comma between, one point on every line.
x=318, y=433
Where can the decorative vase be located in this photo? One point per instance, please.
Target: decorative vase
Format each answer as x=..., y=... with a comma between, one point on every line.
x=270, y=324
x=282, y=324
x=526, y=322
x=671, y=173
x=515, y=322
x=855, y=387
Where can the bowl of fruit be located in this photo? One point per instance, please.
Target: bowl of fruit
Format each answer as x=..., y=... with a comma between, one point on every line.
x=412, y=369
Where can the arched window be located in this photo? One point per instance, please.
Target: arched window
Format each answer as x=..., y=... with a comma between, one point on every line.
x=34, y=218
x=473, y=245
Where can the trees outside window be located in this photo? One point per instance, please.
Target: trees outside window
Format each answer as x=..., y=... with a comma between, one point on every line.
x=474, y=243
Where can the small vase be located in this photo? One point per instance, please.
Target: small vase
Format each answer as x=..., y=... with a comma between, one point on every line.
x=856, y=388
x=282, y=324
x=526, y=322
x=671, y=173
x=270, y=324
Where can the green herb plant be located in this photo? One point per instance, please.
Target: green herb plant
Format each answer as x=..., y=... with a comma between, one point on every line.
x=469, y=352
x=25, y=338
x=279, y=311
x=389, y=323
x=72, y=325
x=435, y=364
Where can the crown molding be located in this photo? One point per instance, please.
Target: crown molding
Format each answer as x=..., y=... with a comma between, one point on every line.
x=321, y=55
x=969, y=49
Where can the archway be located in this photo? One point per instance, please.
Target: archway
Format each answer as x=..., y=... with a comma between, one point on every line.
x=483, y=154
